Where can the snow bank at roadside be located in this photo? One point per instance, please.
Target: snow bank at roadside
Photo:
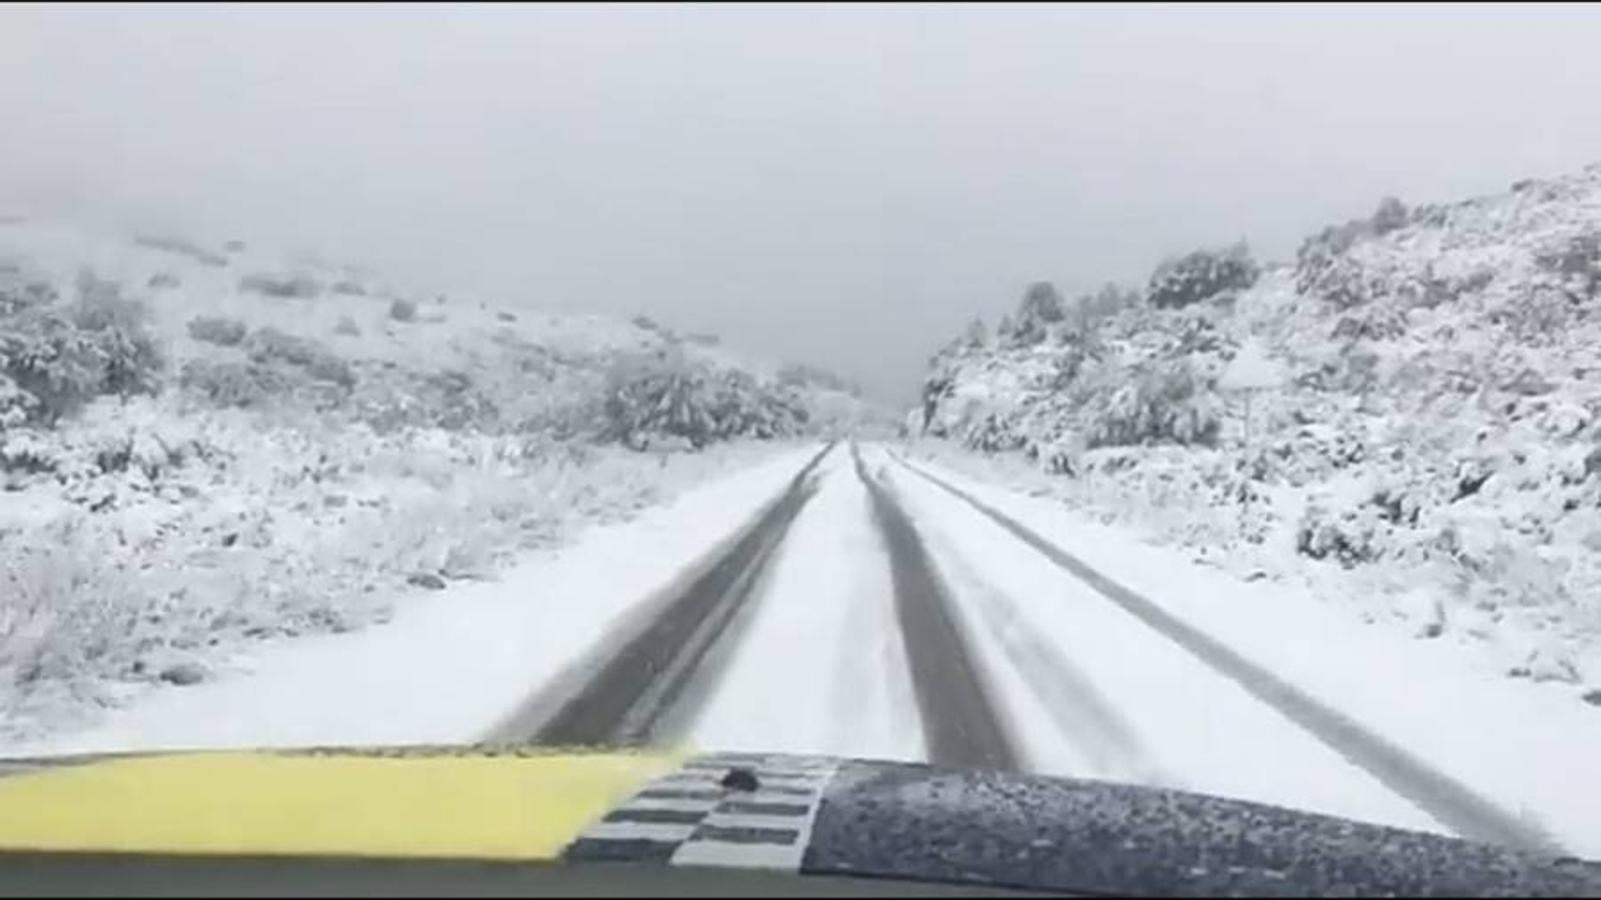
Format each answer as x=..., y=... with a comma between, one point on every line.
x=449, y=663
x=203, y=447
x=1529, y=750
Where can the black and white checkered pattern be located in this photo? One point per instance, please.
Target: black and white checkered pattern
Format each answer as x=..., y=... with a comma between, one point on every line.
x=689, y=817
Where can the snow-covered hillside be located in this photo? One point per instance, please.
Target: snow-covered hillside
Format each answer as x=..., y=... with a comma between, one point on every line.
x=1407, y=415
x=202, y=447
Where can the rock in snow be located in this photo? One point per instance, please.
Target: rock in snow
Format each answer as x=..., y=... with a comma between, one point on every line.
x=183, y=674
x=426, y=580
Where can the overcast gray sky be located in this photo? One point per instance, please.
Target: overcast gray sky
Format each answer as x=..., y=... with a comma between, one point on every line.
x=843, y=185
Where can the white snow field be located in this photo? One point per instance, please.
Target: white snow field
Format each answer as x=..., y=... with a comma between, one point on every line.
x=1529, y=751
x=209, y=447
x=449, y=664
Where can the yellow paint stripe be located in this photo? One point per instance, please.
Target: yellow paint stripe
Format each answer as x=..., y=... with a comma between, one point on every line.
x=508, y=807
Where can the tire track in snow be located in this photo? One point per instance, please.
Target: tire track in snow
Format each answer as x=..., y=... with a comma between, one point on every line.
x=822, y=669
x=630, y=689
x=960, y=722
x=1454, y=804
x=1079, y=709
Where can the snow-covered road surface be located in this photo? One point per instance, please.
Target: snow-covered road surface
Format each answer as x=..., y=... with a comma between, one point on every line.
x=866, y=609
x=822, y=668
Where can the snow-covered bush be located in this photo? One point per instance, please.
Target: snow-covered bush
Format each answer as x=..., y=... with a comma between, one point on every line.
x=55, y=357
x=1201, y=275
x=16, y=404
x=449, y=400
x=183, y=248
x=1348, y=537
x=219, y=330
x=289, y=286
x=1325, y=270
x=666, y=394
x=1111, y=300
x=227, y=383
x=1391, y=215
x=1040, y=308
x=1375, y=323
x=1576, y=261
x=272, y=345
x=1161, y=403
x=403, y=310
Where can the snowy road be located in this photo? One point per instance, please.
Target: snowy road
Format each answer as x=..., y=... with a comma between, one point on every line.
x=850, y=602
x=935, y=627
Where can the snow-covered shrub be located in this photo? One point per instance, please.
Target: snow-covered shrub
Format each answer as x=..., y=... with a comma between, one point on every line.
x=272, y=345
x=995, y=433
x=219, y=330
x=1040, y=308
x=403, y=310
x=27, y=450
x=936, y=388
x=130, y=360
x=1201, y=275
x=15, y=403
x=349, y=288
x=1576, y=261
x=291, y=286
x=1349, y=537
x=451, y=400
x=1161, y=403
x=1391, y=215
x=233, y=384
x=1383, y=323
x=18, y=294
x=57, y=357
x=183, y=248
x=652, y=396
x=347, y=326
x=1110, y=302
x=1536, y=318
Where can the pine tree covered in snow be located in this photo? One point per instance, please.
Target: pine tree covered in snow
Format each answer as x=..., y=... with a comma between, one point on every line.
x=1040, y=309
x=1201, y=275
x=56, y=356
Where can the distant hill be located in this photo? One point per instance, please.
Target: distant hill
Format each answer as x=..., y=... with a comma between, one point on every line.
x=1418, y=394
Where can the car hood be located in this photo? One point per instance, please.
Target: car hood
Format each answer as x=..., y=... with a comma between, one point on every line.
x=802, y=815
